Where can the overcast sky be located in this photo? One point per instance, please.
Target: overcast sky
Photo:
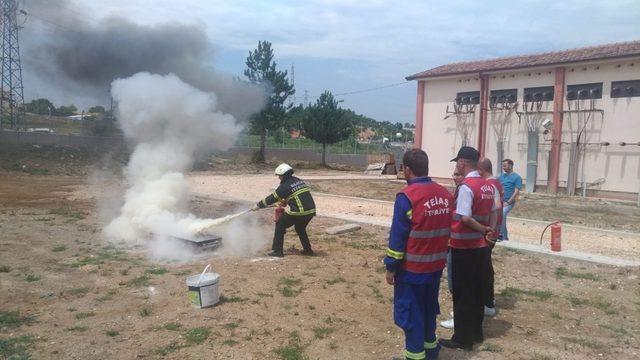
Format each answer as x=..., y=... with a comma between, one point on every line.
x=349, y=45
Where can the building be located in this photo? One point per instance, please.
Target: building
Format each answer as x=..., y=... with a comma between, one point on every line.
x=569, y=119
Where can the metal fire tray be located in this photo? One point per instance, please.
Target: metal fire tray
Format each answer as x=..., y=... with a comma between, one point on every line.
x=205, y=243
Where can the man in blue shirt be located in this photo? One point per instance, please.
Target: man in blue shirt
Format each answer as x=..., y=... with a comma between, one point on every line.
x=512, y=184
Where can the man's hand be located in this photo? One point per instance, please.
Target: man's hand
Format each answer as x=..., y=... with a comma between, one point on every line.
x=390, y=276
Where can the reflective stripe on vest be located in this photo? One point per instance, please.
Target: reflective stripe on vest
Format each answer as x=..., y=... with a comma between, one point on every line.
x=430, y=234
x=427, y=258
x=466, y=236
x=479, y=218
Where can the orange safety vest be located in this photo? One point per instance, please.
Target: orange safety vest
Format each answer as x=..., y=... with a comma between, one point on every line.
x=431, y=210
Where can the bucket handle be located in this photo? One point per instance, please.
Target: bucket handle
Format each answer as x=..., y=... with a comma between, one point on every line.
x=208, y=267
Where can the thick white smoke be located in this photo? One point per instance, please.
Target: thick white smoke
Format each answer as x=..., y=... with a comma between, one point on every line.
x=169, y=121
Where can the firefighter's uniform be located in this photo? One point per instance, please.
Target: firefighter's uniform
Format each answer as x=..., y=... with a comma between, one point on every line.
x=301, y=209
x=416, y=254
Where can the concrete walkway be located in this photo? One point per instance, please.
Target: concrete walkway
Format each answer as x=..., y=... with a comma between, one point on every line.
x=569, y=254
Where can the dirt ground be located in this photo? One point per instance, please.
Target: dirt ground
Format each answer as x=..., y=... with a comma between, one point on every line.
x=66, y=294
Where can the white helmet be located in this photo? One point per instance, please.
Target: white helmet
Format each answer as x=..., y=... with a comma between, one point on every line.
x=282, y=169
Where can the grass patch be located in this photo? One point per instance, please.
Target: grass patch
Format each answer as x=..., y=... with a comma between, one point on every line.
x=139, y=281
x=172, y=326
x=231, y=326
x=322, y=332
x=602, y=305
x=290, y=286
x=79, y=291
x=336, y=280
x=263, y=295
x=166, y=350
x=230, y=342
x=618, y=330
x=292, y=351
x=16, y=348
x=512, y=292
x=590, y=343
x=376, y=293
x=196, y=335
x=84, y=315
x=5, y=269
x=12, y=319
x=112, y=333
x=562, y=272
x=145, y=311
x=67, y=212
x=489, y=347
x=76, y=329
x=156, y=271
x=556, y=316
x=31, y=278
x=59, y=248
x=232, y=299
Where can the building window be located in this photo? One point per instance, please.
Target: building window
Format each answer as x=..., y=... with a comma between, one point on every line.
x=621, y=89
x=541, y=93
x=584, y=91
x=504, y=96
x=468, y=98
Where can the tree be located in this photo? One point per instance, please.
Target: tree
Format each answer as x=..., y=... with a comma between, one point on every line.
x=327, y=123
x=66, y=110
x=98, y=109
x=39, y=106
x=261, y=69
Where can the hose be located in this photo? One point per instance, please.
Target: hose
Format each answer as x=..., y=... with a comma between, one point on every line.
x=545, y=229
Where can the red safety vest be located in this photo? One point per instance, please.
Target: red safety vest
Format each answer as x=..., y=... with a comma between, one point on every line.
x=463, y=237
x=432, y=208
x=495, y=182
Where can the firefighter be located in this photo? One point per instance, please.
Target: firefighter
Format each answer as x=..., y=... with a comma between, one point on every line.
x=302, y=209
x=472, y=222
x=416, y=255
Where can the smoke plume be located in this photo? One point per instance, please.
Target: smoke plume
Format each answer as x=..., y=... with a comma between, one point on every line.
x=66, y=49
x=169, y=121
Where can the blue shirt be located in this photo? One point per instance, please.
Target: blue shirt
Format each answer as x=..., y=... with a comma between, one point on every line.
x=398, y=235
x=510, y=182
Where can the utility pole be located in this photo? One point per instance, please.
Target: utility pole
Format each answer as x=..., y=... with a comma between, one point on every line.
x=11, y=89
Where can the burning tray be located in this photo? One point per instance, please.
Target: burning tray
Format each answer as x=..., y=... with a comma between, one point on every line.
x=202, y=243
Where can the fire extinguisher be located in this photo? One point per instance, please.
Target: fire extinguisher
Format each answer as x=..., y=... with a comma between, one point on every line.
x=279, y=211
x=556, y=235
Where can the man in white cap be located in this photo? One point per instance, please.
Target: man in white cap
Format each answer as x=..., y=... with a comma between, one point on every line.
x=301, y=209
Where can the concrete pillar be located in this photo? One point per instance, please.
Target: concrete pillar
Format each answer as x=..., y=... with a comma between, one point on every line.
x=556, y=132
x=419, y=114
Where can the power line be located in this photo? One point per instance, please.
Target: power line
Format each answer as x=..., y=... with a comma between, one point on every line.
x=372, y=89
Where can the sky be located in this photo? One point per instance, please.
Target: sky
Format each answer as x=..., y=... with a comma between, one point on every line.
x=346, y=45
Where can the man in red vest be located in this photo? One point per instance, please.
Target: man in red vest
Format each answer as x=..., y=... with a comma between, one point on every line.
x=416, y=255
x=472, y=219
x=485, y=170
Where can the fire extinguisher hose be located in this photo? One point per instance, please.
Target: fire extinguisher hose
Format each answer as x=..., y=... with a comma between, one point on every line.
x=545, y=229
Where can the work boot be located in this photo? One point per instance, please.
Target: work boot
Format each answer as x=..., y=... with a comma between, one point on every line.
x=489, y=311
x=451, y=344
x=276, y=254
x=432, y=354
x=307, y=252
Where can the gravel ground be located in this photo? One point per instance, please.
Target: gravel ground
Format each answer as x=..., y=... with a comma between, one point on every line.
x=251, y=188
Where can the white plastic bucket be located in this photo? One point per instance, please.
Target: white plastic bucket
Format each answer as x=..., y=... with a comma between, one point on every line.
x=203, y=288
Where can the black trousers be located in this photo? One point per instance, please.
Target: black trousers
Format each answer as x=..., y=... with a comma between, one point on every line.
x=469, y=276
x=300, y=225
x=489, y=300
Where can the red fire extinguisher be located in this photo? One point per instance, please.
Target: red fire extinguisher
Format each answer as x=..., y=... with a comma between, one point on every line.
x=556, y=236
x=279, y=211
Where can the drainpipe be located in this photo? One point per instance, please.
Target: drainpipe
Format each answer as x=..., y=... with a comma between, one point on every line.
x=556, y=132
x=482, y=123
x=417, y=141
